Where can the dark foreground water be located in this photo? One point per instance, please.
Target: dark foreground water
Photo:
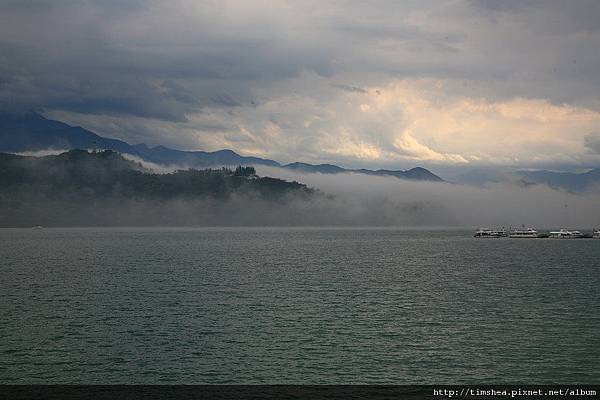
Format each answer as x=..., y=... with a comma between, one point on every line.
x=296, y=306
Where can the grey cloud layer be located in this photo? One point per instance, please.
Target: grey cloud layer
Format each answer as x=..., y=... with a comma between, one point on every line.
x=592, y=142
x=144, y=63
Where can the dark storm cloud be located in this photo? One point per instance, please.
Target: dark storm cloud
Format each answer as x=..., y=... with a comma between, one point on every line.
x=80, y=57
x=112, y=57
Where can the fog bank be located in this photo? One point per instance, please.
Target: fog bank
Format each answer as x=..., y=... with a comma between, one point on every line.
x=347, y=199
x=358, y=199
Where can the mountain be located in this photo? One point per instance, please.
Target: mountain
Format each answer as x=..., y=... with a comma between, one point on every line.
x=569, y=181
x=32, y=132
x=103, y=188
x=481, y=176
x=415, y=174
x=320, y=168
x=575, y=182
x=106, y=172
x=164, y=155
x=418, y=173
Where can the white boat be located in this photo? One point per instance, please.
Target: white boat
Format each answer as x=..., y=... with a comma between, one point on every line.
x=523, y=233
x=596, y=234
x=490, y=233
x=566, y=234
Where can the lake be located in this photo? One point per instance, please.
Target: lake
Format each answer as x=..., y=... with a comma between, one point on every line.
x=296, y=305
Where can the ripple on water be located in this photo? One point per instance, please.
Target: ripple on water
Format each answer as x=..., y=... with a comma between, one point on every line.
x=296, y=306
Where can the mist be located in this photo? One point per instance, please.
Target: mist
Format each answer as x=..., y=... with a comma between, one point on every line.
x=41, y=153
x=358, y=199
x=153, y=167
x=347, y=199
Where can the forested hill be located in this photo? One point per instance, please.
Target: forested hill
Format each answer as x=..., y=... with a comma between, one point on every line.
x=82, y=188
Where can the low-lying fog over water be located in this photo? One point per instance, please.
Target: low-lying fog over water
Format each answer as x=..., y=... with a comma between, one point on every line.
x=343, y=199
x=374, y=200
x=352, y=199
x=296, y=305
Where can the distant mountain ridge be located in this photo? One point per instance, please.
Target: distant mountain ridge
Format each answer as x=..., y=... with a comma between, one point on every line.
x=575, y=182
x=417, y=173
x=164, y=155
x=33, y=132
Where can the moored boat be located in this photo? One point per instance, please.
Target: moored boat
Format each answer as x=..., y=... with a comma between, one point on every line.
x=523, y=233
x=566, y=234
x=490, y=233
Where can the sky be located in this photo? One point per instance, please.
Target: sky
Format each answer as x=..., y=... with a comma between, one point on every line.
x=441, y=84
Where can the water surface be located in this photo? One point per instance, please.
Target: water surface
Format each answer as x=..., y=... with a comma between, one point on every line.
x=296, y=306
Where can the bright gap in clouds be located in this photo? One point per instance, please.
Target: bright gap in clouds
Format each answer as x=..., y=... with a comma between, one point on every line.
x=400, y=125
x=409, y=122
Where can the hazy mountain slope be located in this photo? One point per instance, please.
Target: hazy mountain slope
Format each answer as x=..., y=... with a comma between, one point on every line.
x=319, y=168
x=103, y=188
x=164, y=155
x=107, y=172
x=569, y=181
x=576, y=182
x=32, y=132
x=417, y=173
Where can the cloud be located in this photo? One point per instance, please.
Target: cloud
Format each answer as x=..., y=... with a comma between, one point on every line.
x=347, y=199
x=349, y=88
x=402, y=124
x=592, y=142
x=153, y=167
x=401, y=83
x=42, y=153
x=387, y=201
